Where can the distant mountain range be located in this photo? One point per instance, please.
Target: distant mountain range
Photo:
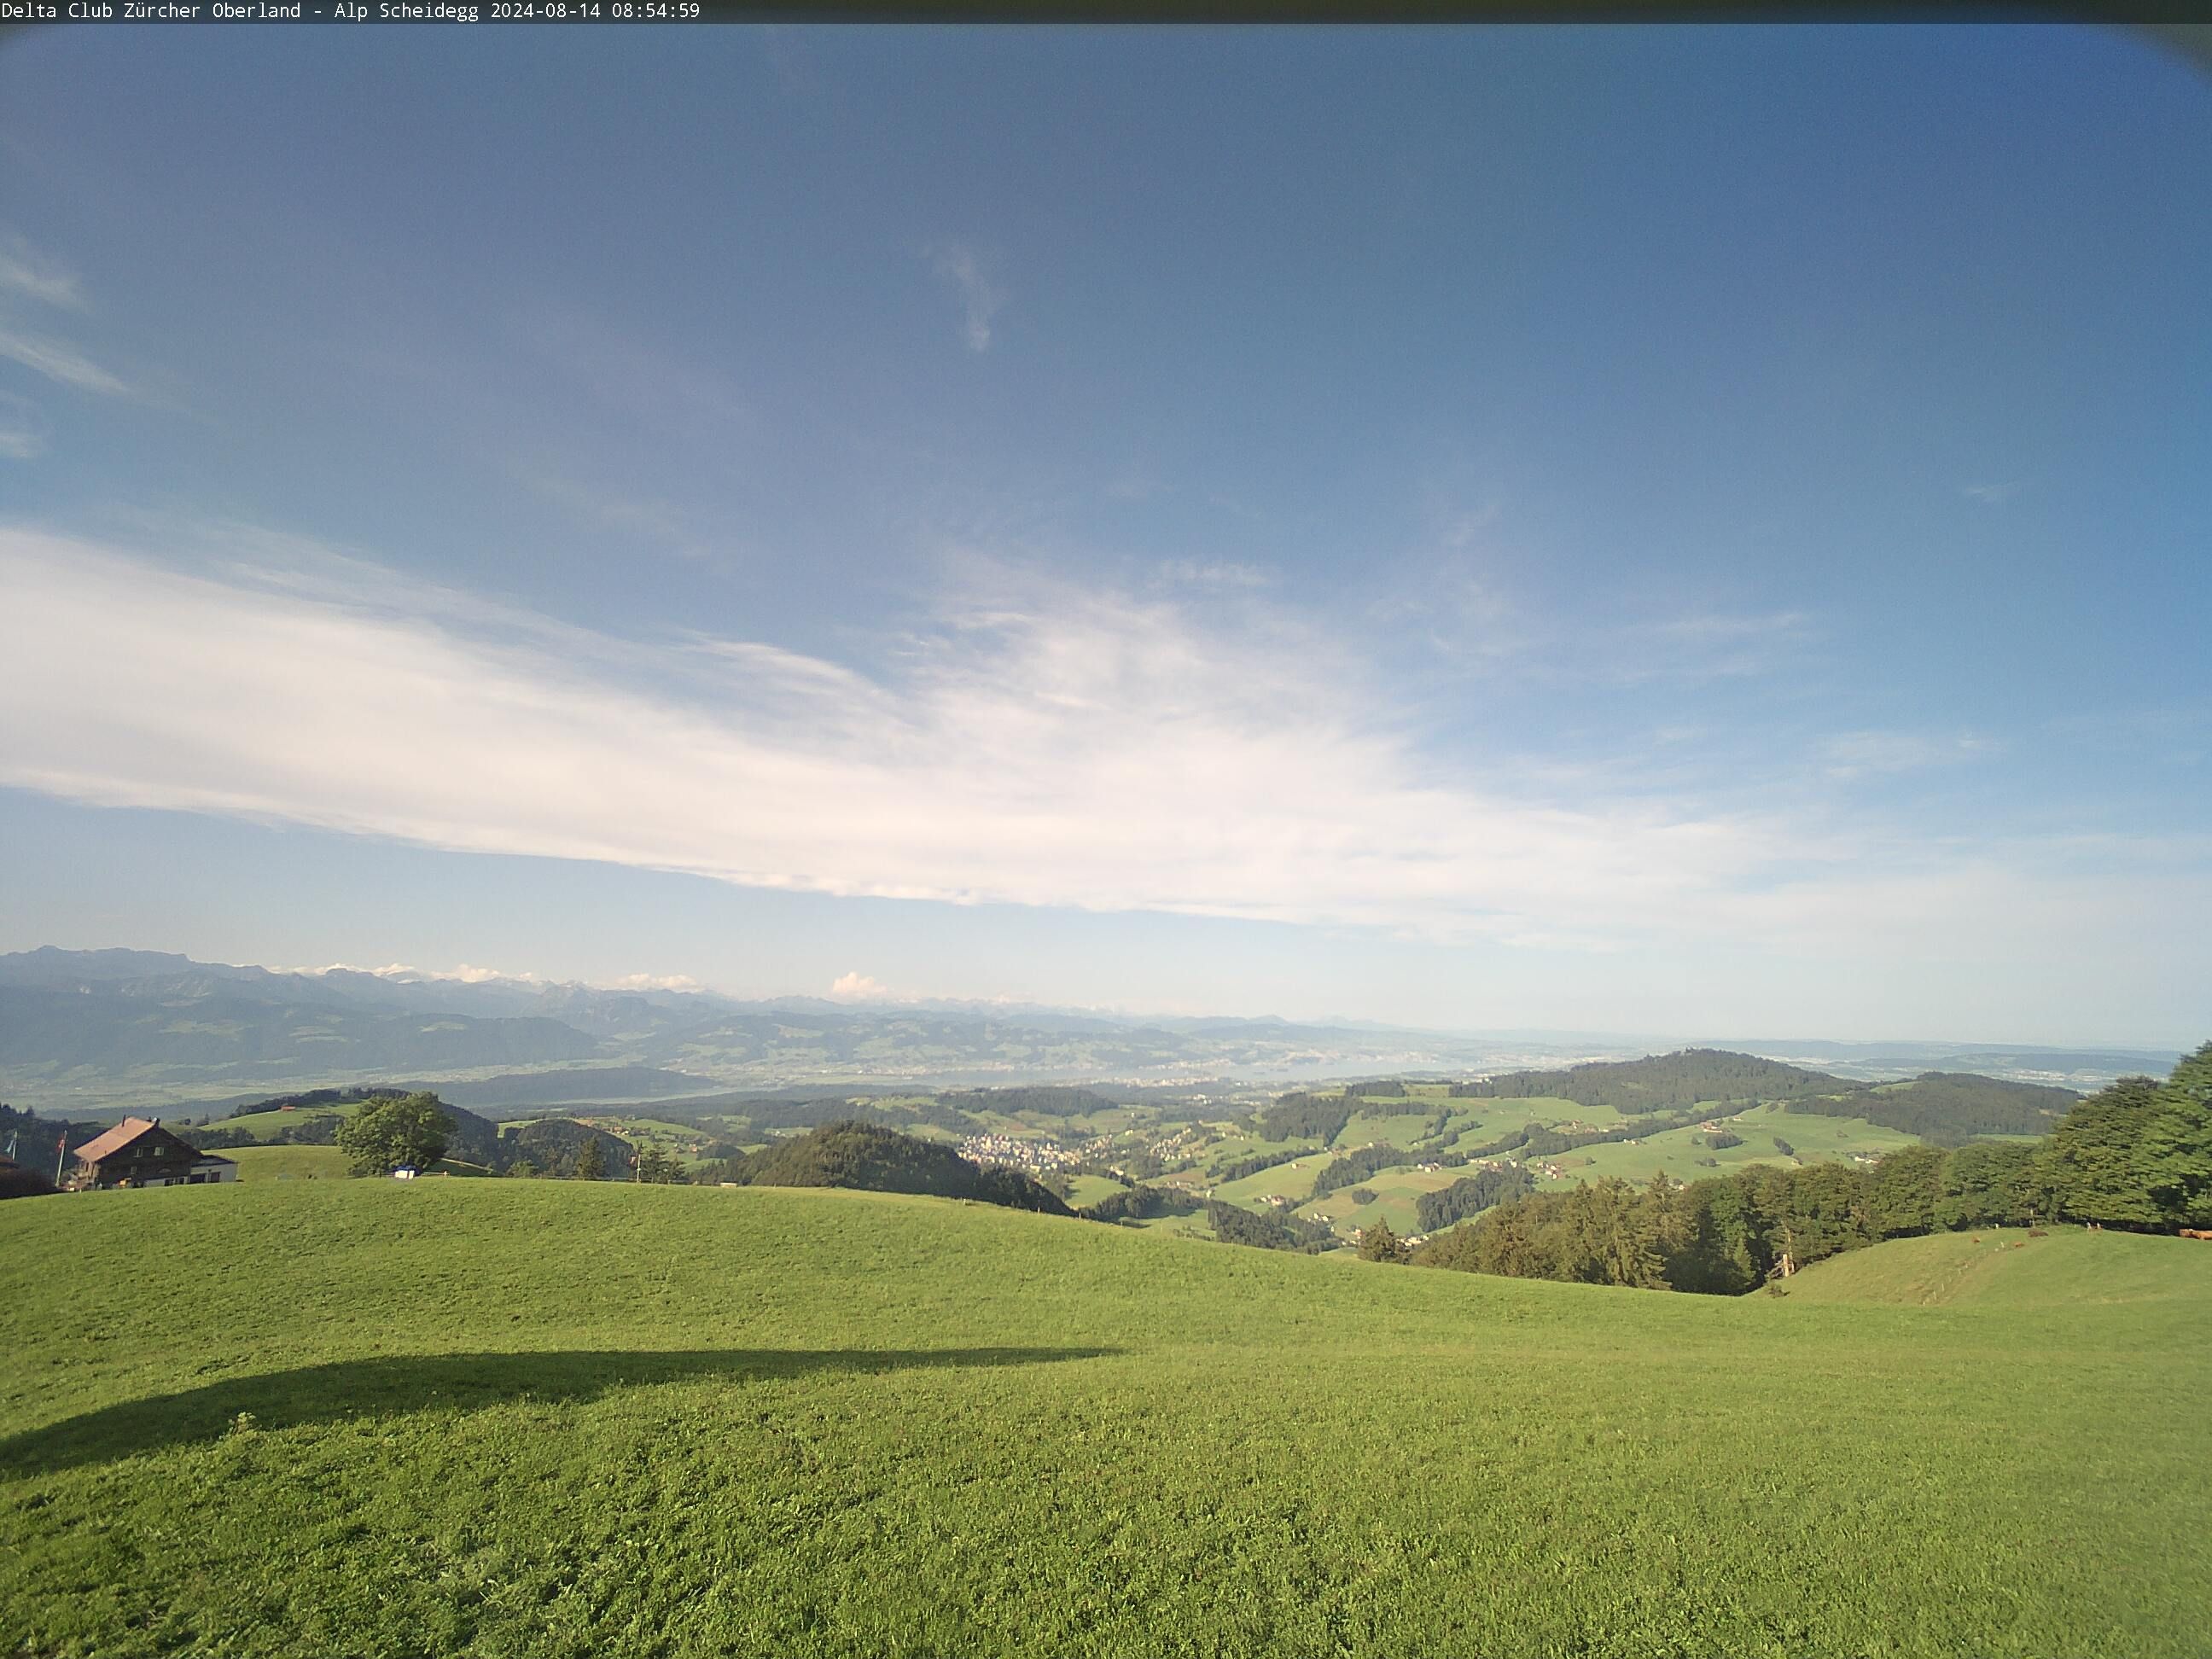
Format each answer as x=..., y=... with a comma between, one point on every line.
x=89, y=1031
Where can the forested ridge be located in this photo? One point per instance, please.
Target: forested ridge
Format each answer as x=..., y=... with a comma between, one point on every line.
x=1302, y=1117
x=2137, y=1155
x=1142, y=1203
x=874, y=1159
x=1470, y=1195
x=1233, y=1226
x=1949, y=1107
x=1661, y=1083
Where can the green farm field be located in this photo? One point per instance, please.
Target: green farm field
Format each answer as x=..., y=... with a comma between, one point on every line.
x=1396, y=1193
x=1292, y=1180
x=554, y=1419
x=1234, y=1144
x=1812, y=1140
x=674, y=1139
x=288, y=1163
x=1499, y=1115
x=260, y=1124
x=1379, y=1123
x=1085, y=1189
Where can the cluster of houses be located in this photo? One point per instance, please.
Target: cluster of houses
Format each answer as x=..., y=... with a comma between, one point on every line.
x=1410, y=1241
x=1184, y=1143
x=1036, y=1156
x=139, y=1152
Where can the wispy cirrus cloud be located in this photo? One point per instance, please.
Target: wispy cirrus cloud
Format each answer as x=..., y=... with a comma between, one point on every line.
x=981, y=298
x=22, y=428
x=647, y=519
x=31, y=274
x=639, y=378
x=59, y=362
x=1029, y=741
x=27, y=274
x=1990, y=495
x=1215, y=573
x=1856, y=753
x=1709, y=644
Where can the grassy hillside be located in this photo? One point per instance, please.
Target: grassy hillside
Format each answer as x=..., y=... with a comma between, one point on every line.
x=1678, y=1152
x=507, y=1418
x=288, y=1163
x=861, y=1156
x=2011, y=1267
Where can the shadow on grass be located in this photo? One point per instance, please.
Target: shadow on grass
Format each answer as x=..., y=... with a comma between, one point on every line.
x=456, y=1382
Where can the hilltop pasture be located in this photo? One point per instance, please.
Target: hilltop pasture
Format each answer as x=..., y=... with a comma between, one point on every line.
x=285, y=1163
x=507, y=1417
x=2009, y=1268
x=1677, y=1151
x=1291, y=1180
x=1396, y=1193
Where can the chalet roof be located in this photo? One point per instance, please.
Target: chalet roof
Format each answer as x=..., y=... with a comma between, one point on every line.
x=115, y=1140
x=132, y=1130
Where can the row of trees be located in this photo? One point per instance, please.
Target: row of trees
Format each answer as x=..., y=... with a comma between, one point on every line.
x=1282, y=1231
x=395, y=1132
x=1140, y=1203
x=1259, y=1161
x=1347, y=1169
x=1470, y=1195
x=1536, y=1141
x=2136, y=1155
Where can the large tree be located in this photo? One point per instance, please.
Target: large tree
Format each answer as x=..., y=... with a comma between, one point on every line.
x=1378, y=1243
x=1908, y=1187
x=393, y=1132
x=2097, y=1156
x=2176, y=1143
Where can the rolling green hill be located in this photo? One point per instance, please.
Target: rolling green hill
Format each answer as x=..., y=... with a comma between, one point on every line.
x=1950, y=1107
x=2013, y=1267
x=1944, y=1106
x=872, y=1159
x=1663, y=1083
x=507, y=1418
x=288, y=1162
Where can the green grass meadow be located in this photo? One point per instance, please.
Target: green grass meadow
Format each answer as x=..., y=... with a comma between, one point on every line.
x=285, y=1163
x=1397, y=1192
x=2010, y=1268
x=1292, y=1180
x=1379, y=1123
x=1085, y=1189
x=259, y=1124
x=554, y=1419
x=1812, y=1140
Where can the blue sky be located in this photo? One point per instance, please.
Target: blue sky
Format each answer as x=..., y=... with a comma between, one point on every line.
x=1694, y=530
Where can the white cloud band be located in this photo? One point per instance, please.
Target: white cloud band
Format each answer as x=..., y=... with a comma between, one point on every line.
x=1039, y=744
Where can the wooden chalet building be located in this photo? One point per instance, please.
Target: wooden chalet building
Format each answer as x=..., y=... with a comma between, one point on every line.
x=139, y=1152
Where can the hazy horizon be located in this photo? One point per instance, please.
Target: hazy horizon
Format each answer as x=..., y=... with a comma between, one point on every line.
x=865, y=998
